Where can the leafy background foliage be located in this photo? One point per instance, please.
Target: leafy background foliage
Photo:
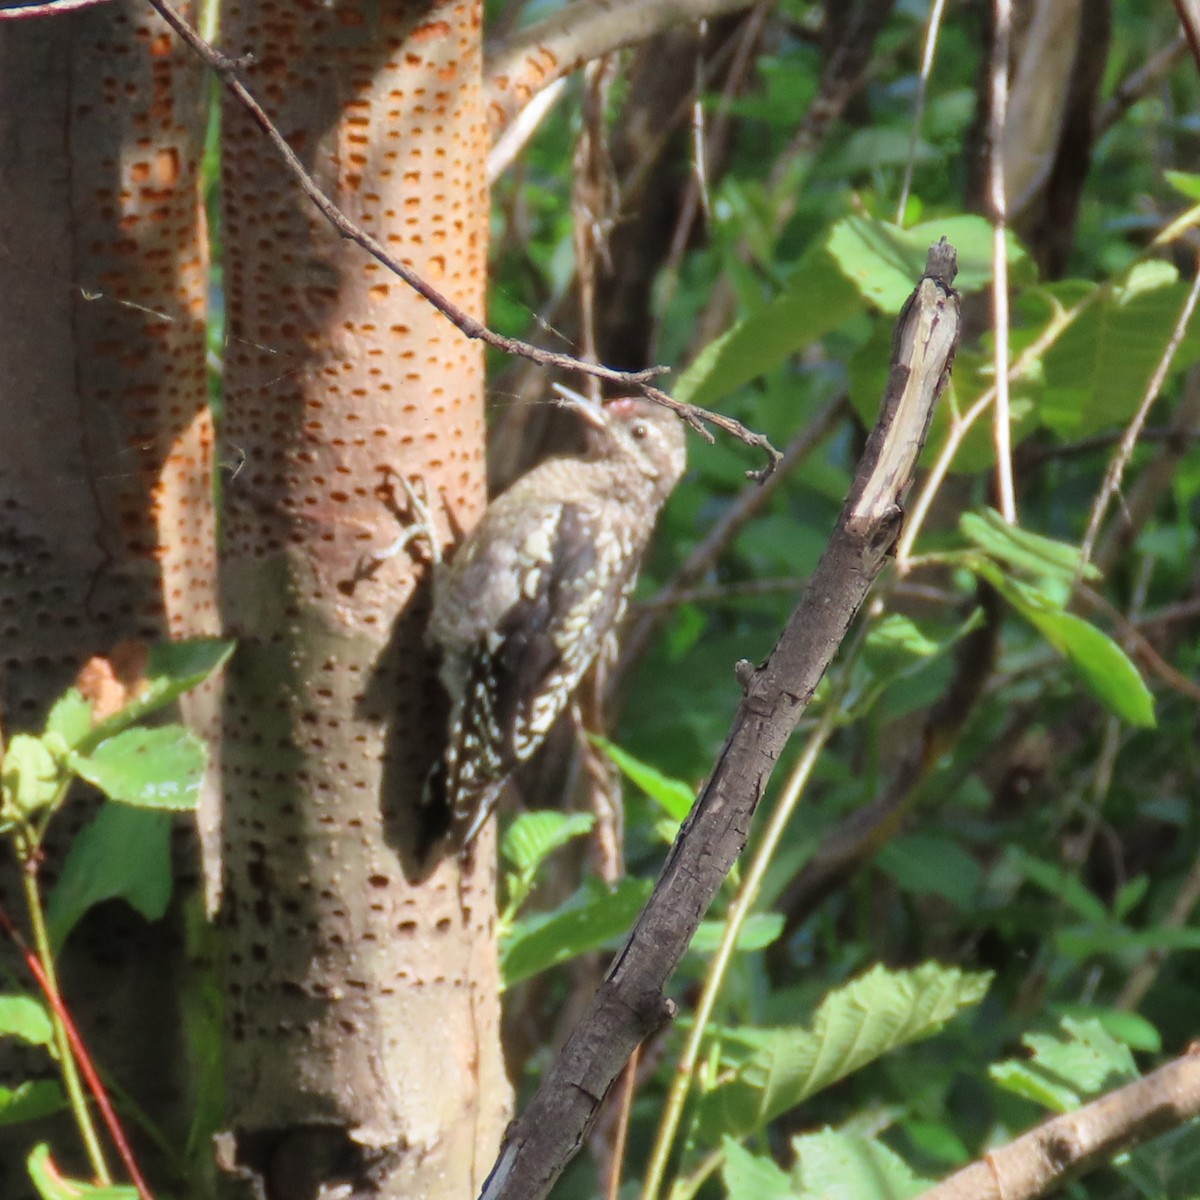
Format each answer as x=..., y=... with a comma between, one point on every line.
x=1050, y=840
x=1024, y=938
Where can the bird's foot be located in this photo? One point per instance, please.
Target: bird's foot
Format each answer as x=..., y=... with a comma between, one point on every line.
x=417, y=517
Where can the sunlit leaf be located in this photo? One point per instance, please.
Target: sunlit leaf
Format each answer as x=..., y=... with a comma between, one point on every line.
x=160, y=767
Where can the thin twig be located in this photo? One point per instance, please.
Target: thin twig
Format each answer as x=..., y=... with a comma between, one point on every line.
x=1120, y=460
x=732, y=521
x=1001, y=417
x=1137, y=84
x=961, y=425
x=226, y=70
x=1189, y=18
x=931, y=39
x=1139, y=644
x=718, y=967
x=628, y=1086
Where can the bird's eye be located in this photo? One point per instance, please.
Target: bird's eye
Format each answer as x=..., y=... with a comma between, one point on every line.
x=639, y=431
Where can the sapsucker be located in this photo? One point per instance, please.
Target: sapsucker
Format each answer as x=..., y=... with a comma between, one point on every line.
x=524, y=606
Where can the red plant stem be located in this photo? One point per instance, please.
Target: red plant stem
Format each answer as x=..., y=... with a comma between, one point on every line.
x=82, y=1058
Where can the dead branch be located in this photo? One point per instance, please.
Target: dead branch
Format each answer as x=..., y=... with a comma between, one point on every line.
x=631, y=1003
x=860, y=835
x=1060, y=1149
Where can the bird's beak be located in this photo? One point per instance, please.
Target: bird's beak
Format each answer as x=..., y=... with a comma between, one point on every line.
x=589, y=410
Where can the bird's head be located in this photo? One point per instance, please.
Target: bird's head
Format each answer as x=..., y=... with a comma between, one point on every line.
x=649, y=435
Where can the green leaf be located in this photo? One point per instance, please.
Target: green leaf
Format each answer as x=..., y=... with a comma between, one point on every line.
x=152, y=768
x=1063, y=1071
x=758, y=931
x=53, y=1185
x=122, y=853
x=886, y=261
x=897, y=633
x=587, y=921
x=752, y=1176
x=71, y=717
x=853, y=1026
x=818, y=299
x=534, y=836
x=839, y=1166
x=1096, y=373
x=1039, y=556
x=1184, y=182
x=1104, y=668
x=1128, y=1027
x=31, y=778
x=25, y=1018
x=673, y=796
x=172, y=668
x=31, y=1101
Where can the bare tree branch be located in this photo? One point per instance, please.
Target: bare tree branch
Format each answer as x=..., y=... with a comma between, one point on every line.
x=56, y=8
x=1139, y=83
x=638, y=381
x=1062, y=1148
x=861, y=834
x=521, y=66
x=1189, y=18
x=631, y=1002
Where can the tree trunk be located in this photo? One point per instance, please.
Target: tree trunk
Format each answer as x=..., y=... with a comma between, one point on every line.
x=362, y=991
x=106, y=513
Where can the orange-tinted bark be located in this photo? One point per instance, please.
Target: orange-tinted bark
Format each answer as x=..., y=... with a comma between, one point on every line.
x=106, y=512
x=362, y=1009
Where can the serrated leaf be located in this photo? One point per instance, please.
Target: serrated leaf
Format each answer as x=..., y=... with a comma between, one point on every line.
x=31, y=778
x=1103, y=667
x=1096, y=373
x=31, y=1101
x=839, y=1166
x=71, y=717
x=1128, y=1027
x=152, y=768
x=752, y=1176
x=673, y=796
x=853, y=1026
x=1081, y=1061
x=122, y=853
x=172, y=668
x=52, y=1184
x=534, y=836
x=588, y=920
x=25, y=1018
